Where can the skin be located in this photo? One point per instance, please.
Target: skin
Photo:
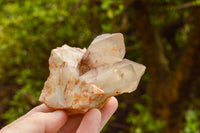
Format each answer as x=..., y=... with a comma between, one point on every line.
x=42, y=119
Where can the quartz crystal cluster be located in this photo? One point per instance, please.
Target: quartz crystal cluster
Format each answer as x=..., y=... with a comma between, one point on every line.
x=82, y=79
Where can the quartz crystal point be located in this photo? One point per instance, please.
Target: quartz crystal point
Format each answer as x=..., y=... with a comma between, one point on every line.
x=82, y=79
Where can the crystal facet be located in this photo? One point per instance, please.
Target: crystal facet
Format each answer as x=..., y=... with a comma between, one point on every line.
x=82, y=79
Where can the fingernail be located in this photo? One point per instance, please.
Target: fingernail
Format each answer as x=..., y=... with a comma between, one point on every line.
x=60, y=113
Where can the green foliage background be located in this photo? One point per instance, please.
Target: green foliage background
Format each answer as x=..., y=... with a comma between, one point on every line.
x=29, y=29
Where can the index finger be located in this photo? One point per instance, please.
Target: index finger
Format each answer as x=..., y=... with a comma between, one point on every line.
x=107, y=111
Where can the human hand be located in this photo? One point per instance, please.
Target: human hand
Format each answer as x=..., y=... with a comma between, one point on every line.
x=42, y=119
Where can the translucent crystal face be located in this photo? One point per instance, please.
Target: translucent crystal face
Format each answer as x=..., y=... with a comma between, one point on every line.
x=81, y=79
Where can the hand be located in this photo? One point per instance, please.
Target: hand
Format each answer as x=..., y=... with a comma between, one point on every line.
x=42, y=119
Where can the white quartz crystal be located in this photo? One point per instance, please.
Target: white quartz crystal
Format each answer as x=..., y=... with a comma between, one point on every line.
x=81, y=79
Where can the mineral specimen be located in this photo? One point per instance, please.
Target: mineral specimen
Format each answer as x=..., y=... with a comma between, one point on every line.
x=81, y=79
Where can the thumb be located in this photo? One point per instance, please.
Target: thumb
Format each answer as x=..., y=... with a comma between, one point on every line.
x=51, y=122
